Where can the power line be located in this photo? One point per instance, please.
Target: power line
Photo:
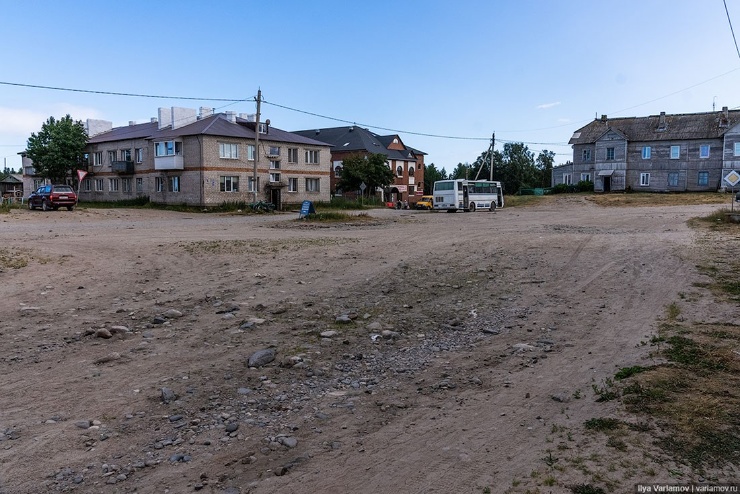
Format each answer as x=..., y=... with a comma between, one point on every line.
x=731, y=30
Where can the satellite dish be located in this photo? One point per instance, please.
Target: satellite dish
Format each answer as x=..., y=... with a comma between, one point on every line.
x=267, y=121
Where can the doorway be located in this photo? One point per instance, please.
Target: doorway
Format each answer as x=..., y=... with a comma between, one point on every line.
x=607, y=184
x=275, y=198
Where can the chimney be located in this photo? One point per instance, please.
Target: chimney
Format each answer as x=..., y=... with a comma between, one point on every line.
x=205, y=112
x=153, y=120
x=165, y=117
x=231, y=116
x=724, y=119
x=132, y=122
x=182, y=116
x=661, y=122
x=318, y=131
x=95, y=127
x=603, y=118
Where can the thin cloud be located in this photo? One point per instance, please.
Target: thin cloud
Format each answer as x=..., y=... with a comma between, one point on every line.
x=548, y=105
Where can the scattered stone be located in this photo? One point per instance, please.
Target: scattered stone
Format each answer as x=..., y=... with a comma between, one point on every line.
x=491, y=331
x=119, y=330
x=172, y=314
x=159, y=320
x=289, y=442
x=103, y=333
x=261, y=357
x=561, y=397
x=168, y=395
x=108, y=358
x=83, y=424
x=523, y=347
x=329, y=334
x=343, y=319
x=232, y=427
x=175, y=418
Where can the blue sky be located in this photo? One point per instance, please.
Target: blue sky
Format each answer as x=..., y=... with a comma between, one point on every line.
x=531, y=71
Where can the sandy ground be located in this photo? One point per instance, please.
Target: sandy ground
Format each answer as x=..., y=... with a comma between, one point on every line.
x=416, y=352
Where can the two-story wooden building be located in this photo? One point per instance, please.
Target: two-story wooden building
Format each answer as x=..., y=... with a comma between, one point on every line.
x=658, y=153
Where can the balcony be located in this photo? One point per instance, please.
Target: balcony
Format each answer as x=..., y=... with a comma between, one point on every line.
x=124, y=167
x=174, y=162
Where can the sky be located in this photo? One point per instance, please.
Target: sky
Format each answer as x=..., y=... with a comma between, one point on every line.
x=445, y=76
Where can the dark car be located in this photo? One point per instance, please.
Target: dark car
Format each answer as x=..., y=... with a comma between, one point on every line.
x=53, y=197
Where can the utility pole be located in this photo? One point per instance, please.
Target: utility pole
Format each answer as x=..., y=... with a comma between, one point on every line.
x=256, y=146
x=493, y=146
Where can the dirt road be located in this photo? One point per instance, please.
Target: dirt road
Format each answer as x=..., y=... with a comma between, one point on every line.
x=414, y=352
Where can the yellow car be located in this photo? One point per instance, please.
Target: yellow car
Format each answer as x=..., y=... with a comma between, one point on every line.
x=426, y=202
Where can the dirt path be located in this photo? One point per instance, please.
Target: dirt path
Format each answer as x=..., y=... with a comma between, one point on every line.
x=468, y=363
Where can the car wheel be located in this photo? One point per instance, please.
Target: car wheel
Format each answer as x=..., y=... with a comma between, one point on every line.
x=472, y=207
x=45, y=206
x=30, y=205
x=493, y=207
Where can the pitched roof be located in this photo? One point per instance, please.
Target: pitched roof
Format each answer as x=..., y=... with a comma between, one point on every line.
x=214, y=125
x=682, y=126
x=354, y=138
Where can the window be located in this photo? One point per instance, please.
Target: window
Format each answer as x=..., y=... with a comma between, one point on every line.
x=229, y=184
x=646, y=152
x=159, y=184
x=98, y=158
x=644, y=179
x=37, y=182
x=174, y=184
x=312, y=185
x=126, y=185
x=293, y=184
x=704, y=151
x=274, y=177
x=139, y=185
x=703, y=178
x=292, y=155
x=673, y=179
x=586, y=155
x=585, y=177
x=737, y=149
x=312, y=156
x=99, y=185
x=250, y=152
x=675, y=152
x=86, y=185
x=274, y=164
x=412, y=190
x=250, y=184
x=125, y=155
x=338, y=171
x=228, y=151
x=399, y=171
x=610, y=153
x=411, y=171
x=273, y=151
x=111, y=156
x=168, y=148
x=567, y=179
x=263, y=128
x=139, y=155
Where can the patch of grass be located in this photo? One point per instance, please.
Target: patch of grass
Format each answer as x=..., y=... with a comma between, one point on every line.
x=602, y=424
x=686, y=351
x=626, y=372
x=605, y=392
x=337, y=217
x=673, y=311
x=586, y=489
x=656, y=199
x=12, y=259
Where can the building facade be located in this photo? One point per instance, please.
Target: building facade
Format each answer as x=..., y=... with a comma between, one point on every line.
x=201, y=159
x=406, y=163
x=659, y=153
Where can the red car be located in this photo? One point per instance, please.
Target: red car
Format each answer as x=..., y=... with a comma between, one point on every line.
x=53, y=197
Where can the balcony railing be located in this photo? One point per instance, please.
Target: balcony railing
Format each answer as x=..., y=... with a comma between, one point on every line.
x=169, y=163
x=125, y=167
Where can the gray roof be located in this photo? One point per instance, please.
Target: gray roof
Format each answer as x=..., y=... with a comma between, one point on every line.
x=684, y=126
x=358, y=139
x=215, y=125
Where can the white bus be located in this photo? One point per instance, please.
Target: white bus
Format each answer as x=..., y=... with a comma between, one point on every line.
x=468, y=195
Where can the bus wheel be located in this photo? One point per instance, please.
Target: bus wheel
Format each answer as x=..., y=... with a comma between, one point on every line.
x=493, y=207
x=472, y=207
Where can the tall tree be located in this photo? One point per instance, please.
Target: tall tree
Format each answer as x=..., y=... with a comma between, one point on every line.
x=58, y=149
x=372, y=170
x=463, y=170
x=431, y=175
x=517, y=169
x=544, y=164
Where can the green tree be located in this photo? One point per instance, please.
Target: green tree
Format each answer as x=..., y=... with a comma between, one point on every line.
x=372, y=170
x=58, y=148
x=463, y=170
x=431, y=175
x=517, y=170
x=544, y=164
